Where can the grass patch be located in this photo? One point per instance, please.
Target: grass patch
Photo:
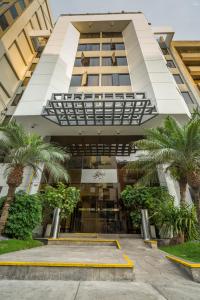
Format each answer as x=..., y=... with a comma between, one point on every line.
x=188, y=251
x=7, y=246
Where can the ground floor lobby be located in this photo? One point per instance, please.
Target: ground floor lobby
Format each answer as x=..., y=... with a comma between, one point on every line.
x=100, y=180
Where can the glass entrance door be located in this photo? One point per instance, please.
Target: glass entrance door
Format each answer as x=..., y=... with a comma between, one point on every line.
x=98, y=210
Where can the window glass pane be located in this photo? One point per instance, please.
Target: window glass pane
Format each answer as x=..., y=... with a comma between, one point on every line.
x=22, y=4
x=111, y=34
x=106, y=80
x=124, y=79
x=178, y=79
x=76, y=80
x=94, y=61
x=77, y=62
x=93, y=80
x=115, y=79
x=89, y=35
x=121, y=61
x=13, y=12
x=119, y=46
x=187, y=98
x=88, y=47
x=106, y=61
x=3, y=22
x=106, y=46
x=170, y=64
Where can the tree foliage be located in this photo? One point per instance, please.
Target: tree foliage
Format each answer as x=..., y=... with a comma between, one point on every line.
x=136, y=198
x=24, y=215
x=63, y=197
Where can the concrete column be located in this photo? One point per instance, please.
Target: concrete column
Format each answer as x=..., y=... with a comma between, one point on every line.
x=145, y=224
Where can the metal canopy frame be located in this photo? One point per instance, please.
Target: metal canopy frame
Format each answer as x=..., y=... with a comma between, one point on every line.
x=100, y=149
x=99, y=109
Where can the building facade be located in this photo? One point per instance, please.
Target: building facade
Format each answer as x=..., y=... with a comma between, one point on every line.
x=101, y=80
x=187, y=57
x=25, y=26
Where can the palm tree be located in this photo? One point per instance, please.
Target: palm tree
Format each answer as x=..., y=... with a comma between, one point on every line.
x=20, y=149
x=175, y=146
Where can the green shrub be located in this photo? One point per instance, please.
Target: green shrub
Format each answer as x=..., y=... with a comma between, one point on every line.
x=181, y=220
x=154, y=199
x=63, y=197
x=24, y=215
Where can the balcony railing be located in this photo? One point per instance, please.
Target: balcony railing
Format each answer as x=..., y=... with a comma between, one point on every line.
x=99, y=109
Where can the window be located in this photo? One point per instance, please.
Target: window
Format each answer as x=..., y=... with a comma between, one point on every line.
x=88, y=47
x=76, y=80
x=106, y=80
x=89, y=35
x=13, y=12
x=106, y=61
x=115, y=80
x=16, y=99
x=113, y=46
x=187, y=98
x=120, y=61
x=94, y=61
x=77, y=62
x=3, y=22
x=92, y=80
x=111, y=34
x=165, y=51
x=89, y=61
x=119, y=46
x=22, y=4
x=33, y=66
x=178, y=79
x=170, y=64
x=124, y=79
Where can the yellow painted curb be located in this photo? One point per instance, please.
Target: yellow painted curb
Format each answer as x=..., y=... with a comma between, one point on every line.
x=183, y=262
x=116, y=242
x=129, y=264
x=150, y=241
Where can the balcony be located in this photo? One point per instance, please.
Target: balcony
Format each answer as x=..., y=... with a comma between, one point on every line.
x=102, y=109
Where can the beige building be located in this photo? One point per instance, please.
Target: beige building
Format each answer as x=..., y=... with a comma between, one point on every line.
x=25, y=26
x=187, y=57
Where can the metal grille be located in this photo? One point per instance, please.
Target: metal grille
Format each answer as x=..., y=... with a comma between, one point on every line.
x=105, y=109
x=100, y=149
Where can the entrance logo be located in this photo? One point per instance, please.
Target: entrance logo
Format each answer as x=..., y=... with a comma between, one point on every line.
x=99, y=174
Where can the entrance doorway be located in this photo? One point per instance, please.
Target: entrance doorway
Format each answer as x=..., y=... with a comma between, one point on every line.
x=99, y=210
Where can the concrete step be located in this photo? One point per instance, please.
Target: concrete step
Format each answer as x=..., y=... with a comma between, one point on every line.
x=100, y=235
x=60, y=262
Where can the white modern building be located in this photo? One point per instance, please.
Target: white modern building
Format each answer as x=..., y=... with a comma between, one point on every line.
x=102, y=79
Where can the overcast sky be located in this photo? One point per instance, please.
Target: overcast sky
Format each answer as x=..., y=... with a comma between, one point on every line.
x=182, y=15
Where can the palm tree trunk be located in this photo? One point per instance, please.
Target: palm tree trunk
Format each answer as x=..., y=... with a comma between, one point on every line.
x=5, y=209
x=13, y=181
x=183, y=188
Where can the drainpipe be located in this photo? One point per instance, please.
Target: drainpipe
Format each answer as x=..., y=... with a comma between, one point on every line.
x=55, y=223
x=145, y=224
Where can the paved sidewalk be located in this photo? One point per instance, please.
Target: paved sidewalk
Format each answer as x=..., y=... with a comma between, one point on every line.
x=156, y=279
